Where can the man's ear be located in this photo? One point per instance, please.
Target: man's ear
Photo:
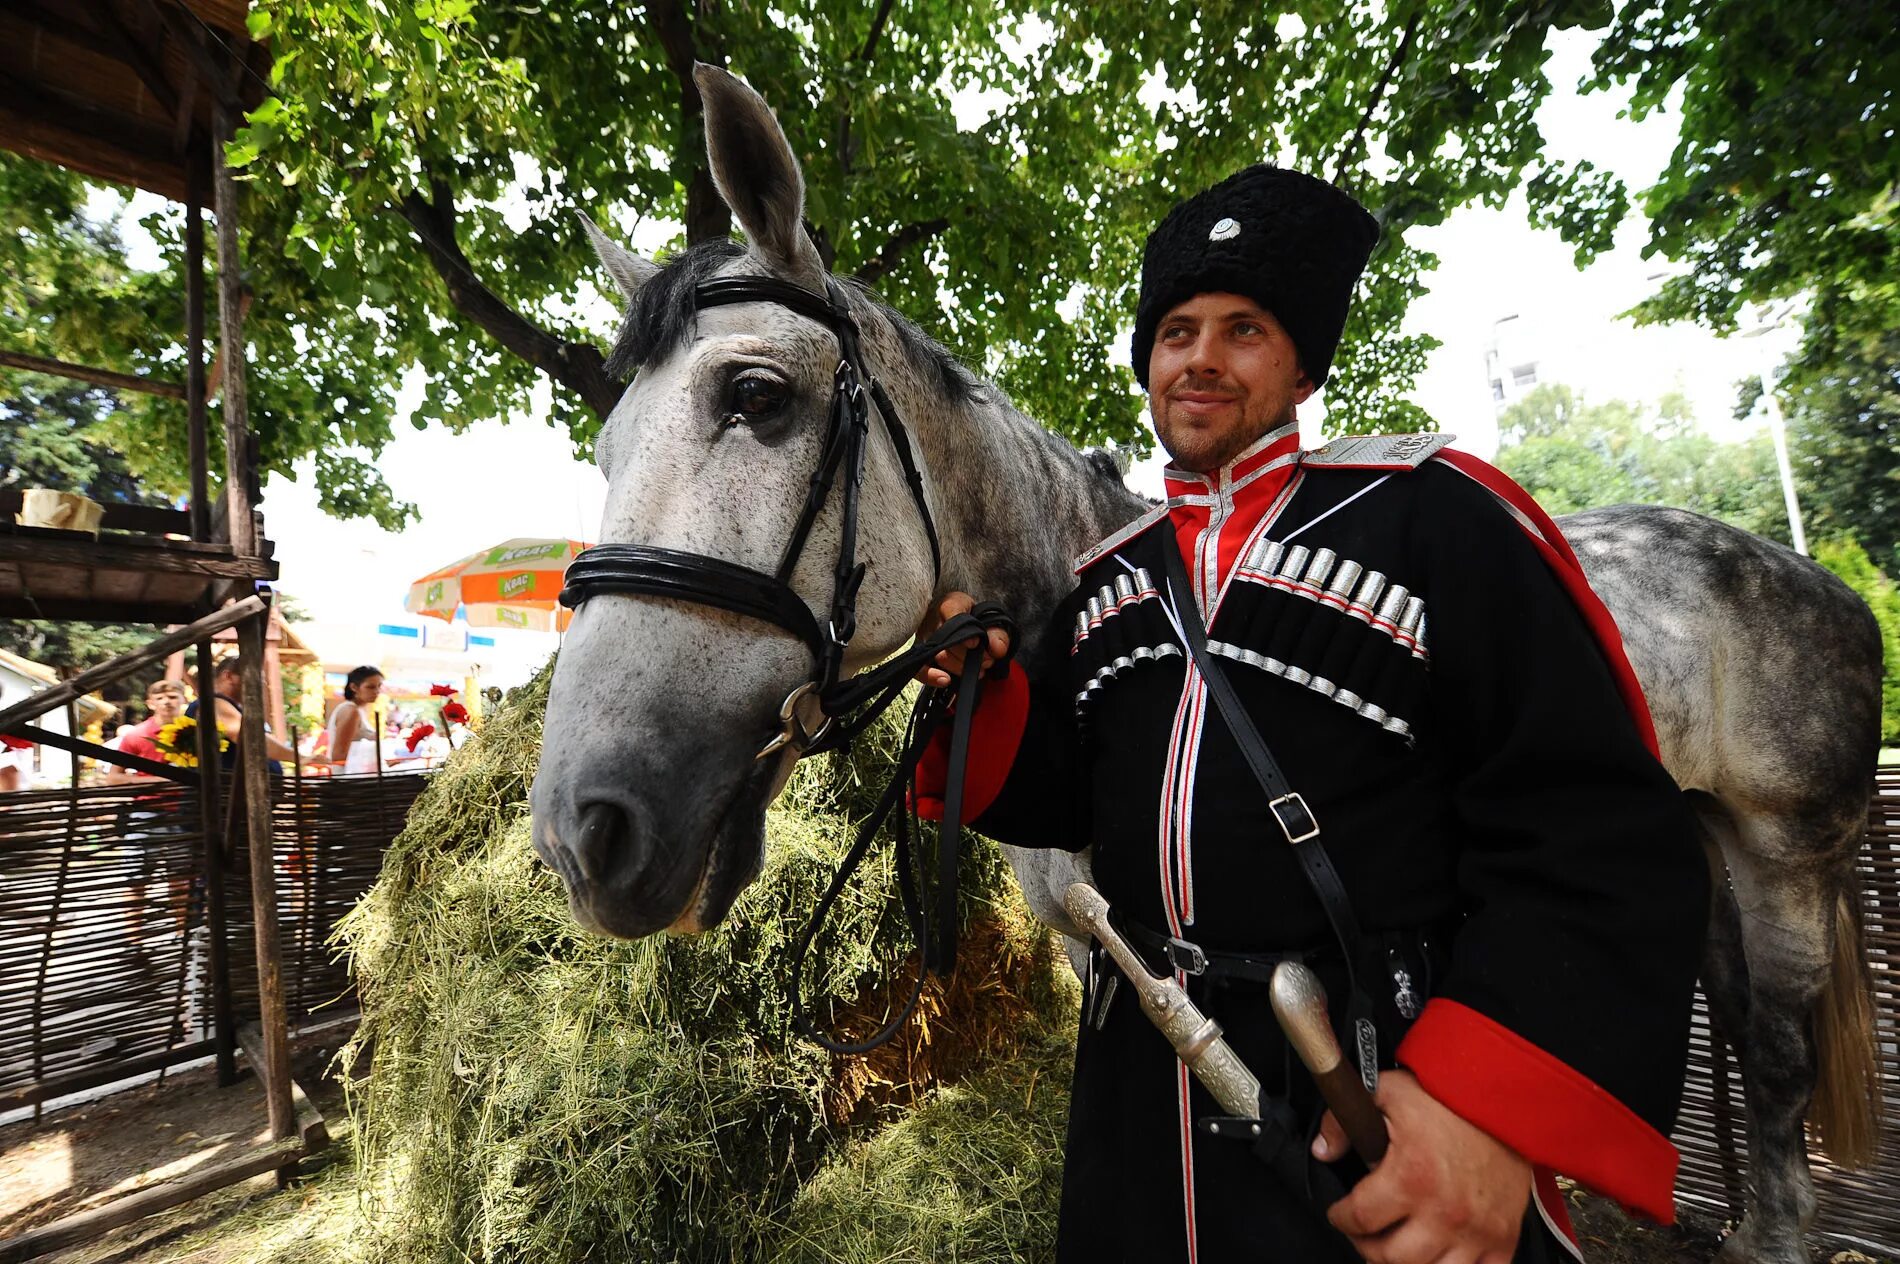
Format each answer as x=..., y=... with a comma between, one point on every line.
x=1303, y=388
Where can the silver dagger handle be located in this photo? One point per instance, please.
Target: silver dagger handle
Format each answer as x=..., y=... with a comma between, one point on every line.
x=1196, y=1038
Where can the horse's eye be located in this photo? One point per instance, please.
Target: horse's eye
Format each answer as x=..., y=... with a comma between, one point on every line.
x=755, y=397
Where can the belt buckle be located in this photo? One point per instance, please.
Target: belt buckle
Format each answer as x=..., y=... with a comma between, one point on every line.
x=1186, y=957
x=1295, y=819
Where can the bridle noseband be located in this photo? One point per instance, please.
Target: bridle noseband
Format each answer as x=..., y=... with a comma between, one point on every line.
x=696, y=577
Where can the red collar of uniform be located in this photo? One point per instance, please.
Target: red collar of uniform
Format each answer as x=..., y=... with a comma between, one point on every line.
x=1267, y=450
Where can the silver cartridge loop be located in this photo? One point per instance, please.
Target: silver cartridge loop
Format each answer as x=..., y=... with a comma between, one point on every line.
x=1413, y=618
x=1369, y=589
x=1320, y=568
x=1392, y=605
x=1343, y=579
x=1293, y=563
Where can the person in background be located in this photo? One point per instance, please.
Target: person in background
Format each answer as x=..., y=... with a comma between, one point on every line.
x=352, y=741
x=227, y=684
x=9, y=776
x=165, y=701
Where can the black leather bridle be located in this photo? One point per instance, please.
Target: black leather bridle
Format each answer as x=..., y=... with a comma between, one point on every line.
x=827, y=712
x=696, y=577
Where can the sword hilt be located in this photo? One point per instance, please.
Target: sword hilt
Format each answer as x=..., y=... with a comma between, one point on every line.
x=1299, y=1002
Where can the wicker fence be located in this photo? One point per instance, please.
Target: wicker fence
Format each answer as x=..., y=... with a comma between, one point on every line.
x=1862, y=1208
x=107, y=962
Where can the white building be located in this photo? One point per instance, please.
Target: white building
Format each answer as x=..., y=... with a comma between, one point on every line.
x=43, y=765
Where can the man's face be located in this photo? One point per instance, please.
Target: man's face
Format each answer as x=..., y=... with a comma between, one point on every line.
x=165, y=704
x=228, y=683
x=1221, y=374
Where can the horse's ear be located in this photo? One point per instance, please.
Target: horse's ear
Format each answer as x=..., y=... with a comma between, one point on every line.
x=753, y=166
x=628, y=270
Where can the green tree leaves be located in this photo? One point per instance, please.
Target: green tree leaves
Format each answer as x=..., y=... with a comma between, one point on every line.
x=1572, y=455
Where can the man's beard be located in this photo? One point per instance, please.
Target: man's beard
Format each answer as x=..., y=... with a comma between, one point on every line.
x=1191, y=455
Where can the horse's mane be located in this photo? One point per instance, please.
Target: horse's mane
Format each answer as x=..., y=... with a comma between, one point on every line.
x=660, y=319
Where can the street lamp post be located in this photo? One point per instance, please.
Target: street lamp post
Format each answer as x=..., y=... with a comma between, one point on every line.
x=1768, y=322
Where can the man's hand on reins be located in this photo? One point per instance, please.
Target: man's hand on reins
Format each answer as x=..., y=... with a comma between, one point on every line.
x=1447, y=1192
x=949, y=663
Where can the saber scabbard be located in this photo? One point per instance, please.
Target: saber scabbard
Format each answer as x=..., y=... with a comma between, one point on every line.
x=1299, y=1002
x=1196, y=1038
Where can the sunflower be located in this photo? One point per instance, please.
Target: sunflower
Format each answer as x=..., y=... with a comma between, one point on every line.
x=178, y=742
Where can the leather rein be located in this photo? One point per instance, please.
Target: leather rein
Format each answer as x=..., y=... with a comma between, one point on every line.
x=827, y=712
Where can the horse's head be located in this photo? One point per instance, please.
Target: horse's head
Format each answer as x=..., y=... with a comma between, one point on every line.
x=650, y=800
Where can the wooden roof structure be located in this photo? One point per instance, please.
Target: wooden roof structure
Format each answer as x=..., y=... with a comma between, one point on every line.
x=116, y=89
x=147, y=93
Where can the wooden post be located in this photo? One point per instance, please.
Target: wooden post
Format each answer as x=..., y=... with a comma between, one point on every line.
x=300, y=848
x=209, y=771
x=274, y=681
x=270, y=974
x=52, y=914
x=237, y=448
x=195, y=341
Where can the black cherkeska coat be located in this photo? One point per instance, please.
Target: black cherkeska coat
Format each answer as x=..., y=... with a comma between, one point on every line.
x=1455, y=709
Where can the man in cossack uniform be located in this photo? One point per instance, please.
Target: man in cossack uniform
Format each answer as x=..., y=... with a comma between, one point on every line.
x=1416, y=645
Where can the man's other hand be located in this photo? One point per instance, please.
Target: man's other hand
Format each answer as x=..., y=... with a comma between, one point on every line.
x=949, y=664
x=1446, y=1192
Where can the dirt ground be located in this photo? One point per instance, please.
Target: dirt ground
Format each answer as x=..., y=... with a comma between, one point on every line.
x=88, y=1154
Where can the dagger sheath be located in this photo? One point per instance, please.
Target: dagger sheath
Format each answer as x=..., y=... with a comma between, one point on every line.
x=1196, y=1038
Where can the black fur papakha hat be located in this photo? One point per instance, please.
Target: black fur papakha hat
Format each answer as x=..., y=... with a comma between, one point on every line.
x=1292, y=243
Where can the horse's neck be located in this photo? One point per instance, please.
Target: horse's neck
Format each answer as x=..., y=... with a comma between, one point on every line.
x=1017, y=504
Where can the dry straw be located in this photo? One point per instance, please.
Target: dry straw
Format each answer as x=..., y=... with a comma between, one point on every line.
x=541, y=1094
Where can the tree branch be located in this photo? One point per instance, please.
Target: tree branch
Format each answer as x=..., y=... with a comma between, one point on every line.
x=1378, y=95
x=575, y=365
x=892, y=252
x=877, y=29
x=707, y=216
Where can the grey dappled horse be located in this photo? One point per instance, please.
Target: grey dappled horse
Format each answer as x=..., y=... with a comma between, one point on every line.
x=1762, y=670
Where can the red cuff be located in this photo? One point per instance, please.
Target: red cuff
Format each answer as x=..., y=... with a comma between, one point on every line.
x=1543, y=1109
x=996, y=732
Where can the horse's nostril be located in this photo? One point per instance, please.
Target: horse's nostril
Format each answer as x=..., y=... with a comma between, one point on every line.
x=605, y=847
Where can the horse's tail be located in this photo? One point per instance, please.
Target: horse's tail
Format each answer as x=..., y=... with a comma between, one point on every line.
x=1847, y=1096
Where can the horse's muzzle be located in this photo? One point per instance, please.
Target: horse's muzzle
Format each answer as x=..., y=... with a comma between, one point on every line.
x=609, y=863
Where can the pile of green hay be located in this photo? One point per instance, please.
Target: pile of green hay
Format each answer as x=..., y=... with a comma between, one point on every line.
x=538, y=1093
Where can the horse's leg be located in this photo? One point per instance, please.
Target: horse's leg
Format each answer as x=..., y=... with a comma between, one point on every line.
x=1784, y=899
x=1724, y=959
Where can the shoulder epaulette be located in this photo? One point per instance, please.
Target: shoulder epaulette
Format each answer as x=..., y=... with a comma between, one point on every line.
x=1121, y=537
x=1376, y=452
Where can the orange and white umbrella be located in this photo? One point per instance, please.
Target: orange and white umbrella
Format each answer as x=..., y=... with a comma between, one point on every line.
x=515, y=584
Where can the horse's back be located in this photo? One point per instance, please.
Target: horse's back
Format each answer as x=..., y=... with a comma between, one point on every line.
x=1761, y=667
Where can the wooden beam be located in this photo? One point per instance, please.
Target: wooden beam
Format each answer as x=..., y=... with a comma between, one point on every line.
x=91, y=750
x=275, y=1040
x=217, y=77
x=213, y=818
x=126, y=47
x=85, y=373
x=46, y=1090
x=239, y=473
x=48, y=547
x=98, y=611
x=310, y=1126
x=195, y=412
x=87, y=1225
x=125, y=664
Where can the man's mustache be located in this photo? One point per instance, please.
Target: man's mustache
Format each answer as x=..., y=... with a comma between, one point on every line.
x=1223, y=390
